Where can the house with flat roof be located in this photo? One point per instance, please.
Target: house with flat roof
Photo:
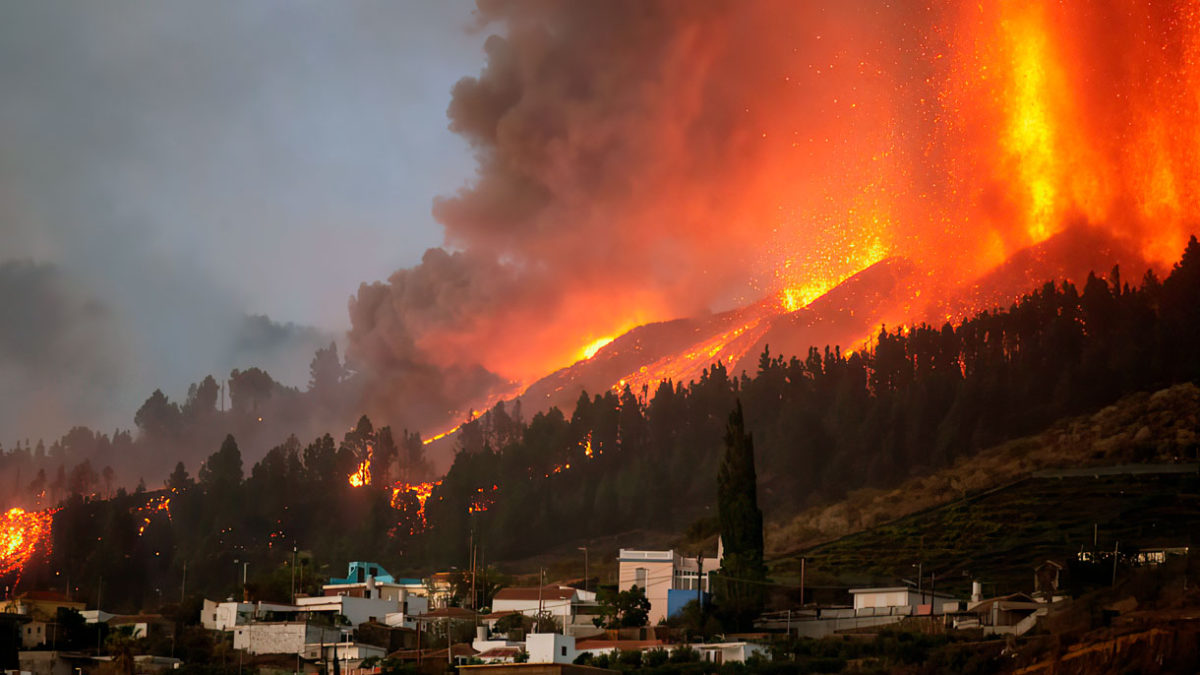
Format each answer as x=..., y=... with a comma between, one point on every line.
x=669, y=580
x=868, y=601
x=570, y=607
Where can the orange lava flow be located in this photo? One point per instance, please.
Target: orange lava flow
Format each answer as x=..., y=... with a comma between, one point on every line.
x=421, y=491
x=22, y=533
x=729, y=347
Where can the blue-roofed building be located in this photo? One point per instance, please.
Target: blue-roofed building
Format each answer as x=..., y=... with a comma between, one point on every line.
x=370, y=581
x=359, y=571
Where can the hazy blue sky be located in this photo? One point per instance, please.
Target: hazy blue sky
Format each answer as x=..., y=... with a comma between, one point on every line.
x=180, y=164
x=282, y=151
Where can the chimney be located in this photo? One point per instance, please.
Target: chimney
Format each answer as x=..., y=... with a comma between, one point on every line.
x=976, y=591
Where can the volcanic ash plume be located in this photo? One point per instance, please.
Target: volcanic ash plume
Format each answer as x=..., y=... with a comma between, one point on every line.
x=645, y=160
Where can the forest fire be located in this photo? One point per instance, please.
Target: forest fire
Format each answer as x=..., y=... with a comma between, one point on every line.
x=421, y=491
x=482, y=500
x=155, y=505
x=22, y=533
x=362, y=474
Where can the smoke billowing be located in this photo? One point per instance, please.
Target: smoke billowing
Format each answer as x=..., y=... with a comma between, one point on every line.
x=643, y=160
x=627, y=172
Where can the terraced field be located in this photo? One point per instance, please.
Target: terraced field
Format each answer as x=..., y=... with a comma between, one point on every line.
x=1001, y=535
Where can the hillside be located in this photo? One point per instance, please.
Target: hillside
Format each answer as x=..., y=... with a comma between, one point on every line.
x=1141, y=427
x=1127, y=470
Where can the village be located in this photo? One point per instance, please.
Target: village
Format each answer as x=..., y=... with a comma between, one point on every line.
x=371, y=622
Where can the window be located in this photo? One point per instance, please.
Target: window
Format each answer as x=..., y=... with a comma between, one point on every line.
x=564, y=650
x=639, y=577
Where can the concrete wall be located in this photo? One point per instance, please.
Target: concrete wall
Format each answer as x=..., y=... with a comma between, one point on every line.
x=281, y=638
x=550, y=648
x=881, y=599
x=823, y=627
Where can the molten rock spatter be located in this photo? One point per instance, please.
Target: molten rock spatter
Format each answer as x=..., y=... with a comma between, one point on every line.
x=22, y=534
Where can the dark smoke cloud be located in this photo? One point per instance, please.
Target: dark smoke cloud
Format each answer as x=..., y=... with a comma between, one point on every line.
x=631, y=157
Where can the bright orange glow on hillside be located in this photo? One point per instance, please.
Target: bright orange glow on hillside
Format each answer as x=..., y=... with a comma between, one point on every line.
x=22, y=533
x=595, y=346
x=823, y=276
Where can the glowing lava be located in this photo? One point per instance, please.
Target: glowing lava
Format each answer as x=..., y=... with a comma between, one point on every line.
x=155, y=505
x=596, y=345
x=21, y=534
x=421, y=491
x=820, y=277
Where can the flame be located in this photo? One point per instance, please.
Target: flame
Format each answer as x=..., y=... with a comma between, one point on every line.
x=594, y=346
x=362, y=474
x=421, y=491
x=160, y=504
x=21, y=534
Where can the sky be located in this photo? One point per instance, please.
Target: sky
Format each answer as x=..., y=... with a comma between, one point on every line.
x=168, y=169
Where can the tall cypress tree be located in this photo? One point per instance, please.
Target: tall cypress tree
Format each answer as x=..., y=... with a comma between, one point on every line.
x=739, y=588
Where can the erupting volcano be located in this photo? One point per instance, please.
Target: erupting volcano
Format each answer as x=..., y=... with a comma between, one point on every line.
x=819, y=169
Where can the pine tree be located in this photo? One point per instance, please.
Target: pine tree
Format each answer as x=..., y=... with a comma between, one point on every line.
x=740, y=582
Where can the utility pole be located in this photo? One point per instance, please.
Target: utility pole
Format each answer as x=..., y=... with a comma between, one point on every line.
x=920, y=590
x=802, y=561
x=932, y=592
x=99, y=623
x=700, y=581
x=1116, y=554
x=537, y=628
x=474, y=602
x=585, y=566
x=183, y=584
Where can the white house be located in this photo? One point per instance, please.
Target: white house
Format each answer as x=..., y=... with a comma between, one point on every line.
x=226, y=615
x=869, y=601
x=541, y=647
x=566, y=605
x=669, y=580
x=349, y=655
x=356, y=610
x=728, y=652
